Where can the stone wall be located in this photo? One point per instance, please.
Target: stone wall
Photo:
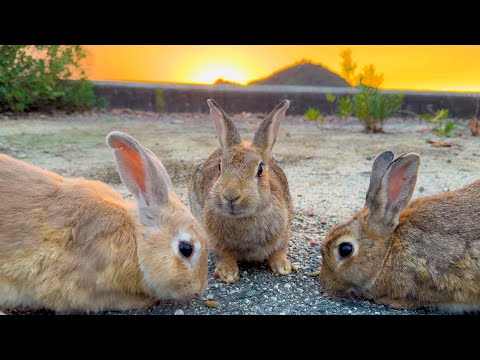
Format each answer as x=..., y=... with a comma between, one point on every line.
x=261, y=98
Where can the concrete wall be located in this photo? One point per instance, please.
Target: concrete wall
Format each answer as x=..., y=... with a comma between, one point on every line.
x=261, y=98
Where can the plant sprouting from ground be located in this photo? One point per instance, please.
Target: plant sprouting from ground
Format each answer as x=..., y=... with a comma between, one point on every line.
x=443, y=125
x=312, y=114
x=331, y=99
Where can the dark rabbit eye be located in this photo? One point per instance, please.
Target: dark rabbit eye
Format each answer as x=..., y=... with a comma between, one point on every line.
x=219, y=167
x=186, y=249
x=260, y=170
x=345, y=249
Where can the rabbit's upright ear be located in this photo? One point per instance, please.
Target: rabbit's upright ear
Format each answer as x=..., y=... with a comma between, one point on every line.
x=267, y=131
x=380, y=166
x=142, y=173
x=227, y=132
x=388, y=196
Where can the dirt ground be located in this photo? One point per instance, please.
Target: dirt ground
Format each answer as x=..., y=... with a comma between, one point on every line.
x=327, y=164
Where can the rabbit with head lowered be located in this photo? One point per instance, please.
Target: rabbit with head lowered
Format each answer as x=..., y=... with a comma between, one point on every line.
x=424, y=253
x=74, y=245
x=242, y=197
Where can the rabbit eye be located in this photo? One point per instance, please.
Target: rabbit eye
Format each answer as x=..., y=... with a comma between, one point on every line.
x=345, y=249
x=260, y=170
x=186, y=249
x=219, y=167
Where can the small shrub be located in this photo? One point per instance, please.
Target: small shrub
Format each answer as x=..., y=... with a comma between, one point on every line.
x=371, y=107
x=33, y=77
x=345, y=106
x=312, y=114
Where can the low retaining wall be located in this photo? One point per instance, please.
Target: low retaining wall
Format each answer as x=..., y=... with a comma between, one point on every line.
x=159, y=97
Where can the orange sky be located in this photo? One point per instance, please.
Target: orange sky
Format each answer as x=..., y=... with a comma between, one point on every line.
x=432, y=67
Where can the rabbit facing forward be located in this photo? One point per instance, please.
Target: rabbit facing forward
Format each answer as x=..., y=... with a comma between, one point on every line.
x=242, y=197
x=74, y=245
x=424, y=253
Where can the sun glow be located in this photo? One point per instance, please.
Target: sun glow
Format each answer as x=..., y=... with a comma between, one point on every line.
x=405, y=67
x=212, y=72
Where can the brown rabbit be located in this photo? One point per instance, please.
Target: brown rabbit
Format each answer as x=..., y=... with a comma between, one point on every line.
x=408, y=255
x=75, y=245
x=242, y=196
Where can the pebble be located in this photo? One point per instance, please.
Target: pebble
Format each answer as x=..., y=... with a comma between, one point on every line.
x=212, y=304
x=210, y=297
x=323, y=222
x=421, y=189
x=178, y=312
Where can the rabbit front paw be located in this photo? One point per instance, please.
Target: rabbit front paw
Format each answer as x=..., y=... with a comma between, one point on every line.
x=227, y=272
x=279, y=264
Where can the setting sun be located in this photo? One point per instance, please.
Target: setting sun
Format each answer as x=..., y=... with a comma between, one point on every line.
x=415, y=67
x=209, y=74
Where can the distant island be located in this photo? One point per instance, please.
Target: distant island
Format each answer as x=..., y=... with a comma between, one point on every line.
x=303, y=73
x=221, y=81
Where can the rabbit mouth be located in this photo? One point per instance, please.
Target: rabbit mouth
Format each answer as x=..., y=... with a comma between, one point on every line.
x=234, y=212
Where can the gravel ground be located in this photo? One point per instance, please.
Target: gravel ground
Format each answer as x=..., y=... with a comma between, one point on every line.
x=328, y=166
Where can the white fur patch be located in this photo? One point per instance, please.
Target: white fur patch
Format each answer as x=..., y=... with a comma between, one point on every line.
x=160, y=292
x=183, y=236
x=11, y=296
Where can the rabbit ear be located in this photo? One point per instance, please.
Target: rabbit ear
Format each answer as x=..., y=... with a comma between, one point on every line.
x=380, y=166
x=142, y=173
x=267, y=131
x=226, y=130
x=394, y=192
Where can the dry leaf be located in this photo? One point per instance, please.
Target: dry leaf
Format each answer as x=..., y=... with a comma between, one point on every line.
x=474, y=126
x=439, y=143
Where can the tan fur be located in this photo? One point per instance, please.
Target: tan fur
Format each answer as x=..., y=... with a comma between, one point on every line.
x=262, y=231
x=432, y=257
x=75, y=245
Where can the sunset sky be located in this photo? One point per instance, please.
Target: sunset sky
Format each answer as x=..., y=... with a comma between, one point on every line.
x=416, y=67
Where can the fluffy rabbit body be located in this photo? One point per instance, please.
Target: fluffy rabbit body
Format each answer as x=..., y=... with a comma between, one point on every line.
x=424, y=253
x=242, y=197
x=74, y=245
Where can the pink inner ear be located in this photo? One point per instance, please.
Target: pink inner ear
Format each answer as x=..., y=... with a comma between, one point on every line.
x=396, y=182
x=133, y=163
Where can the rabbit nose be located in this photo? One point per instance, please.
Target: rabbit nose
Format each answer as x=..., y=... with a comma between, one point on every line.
x=231, y=197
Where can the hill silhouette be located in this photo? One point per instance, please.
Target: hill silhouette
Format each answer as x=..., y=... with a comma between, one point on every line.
x=303, y=73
